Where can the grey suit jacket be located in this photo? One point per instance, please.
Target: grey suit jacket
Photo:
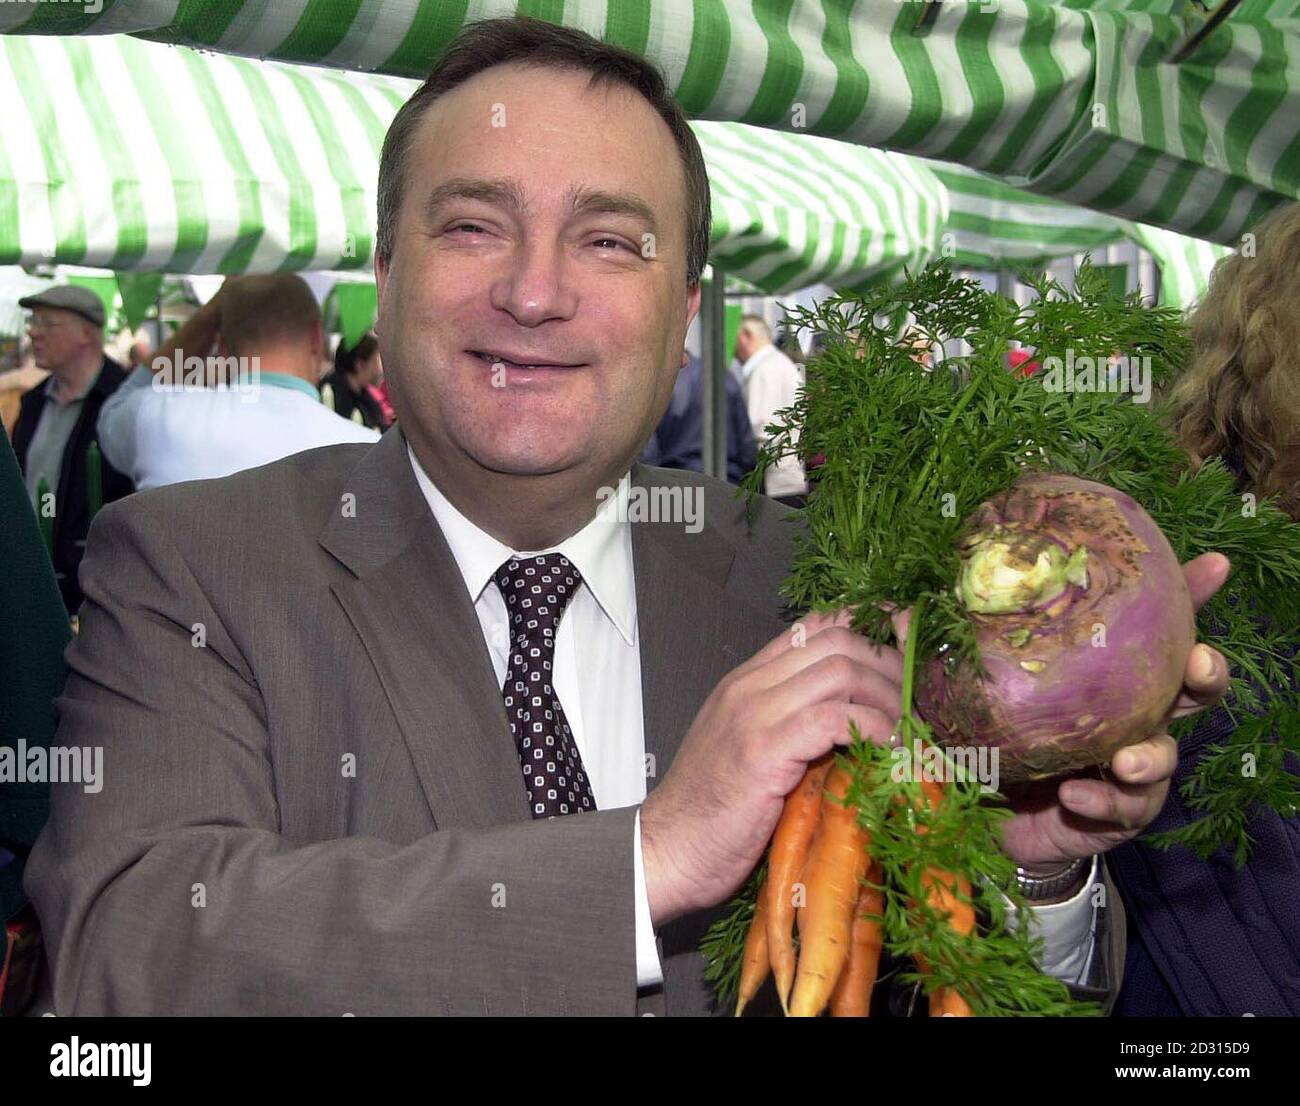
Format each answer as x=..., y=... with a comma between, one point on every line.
x=311, y=801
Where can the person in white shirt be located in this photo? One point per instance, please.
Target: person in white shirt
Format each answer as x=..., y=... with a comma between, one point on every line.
x=180, y=418
x=772, y=381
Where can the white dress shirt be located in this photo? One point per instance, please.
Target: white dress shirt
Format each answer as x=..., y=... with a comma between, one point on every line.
x=597, y=638
x=598, y=681
x=772, y=382
x=163, y=437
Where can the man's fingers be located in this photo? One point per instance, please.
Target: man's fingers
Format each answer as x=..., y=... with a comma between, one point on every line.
x=833, y=640
x=795, y=637
x=1148, y=761
x=831, y=719
x=1141, y=781
x=902, y=620
x=837, y=678
x=1205, y=680
x=1205, y=575
x=1129, y=807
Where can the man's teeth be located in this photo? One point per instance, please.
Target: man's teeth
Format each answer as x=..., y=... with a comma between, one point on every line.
x=501, y=361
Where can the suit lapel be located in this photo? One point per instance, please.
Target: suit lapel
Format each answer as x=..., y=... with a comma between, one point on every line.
x=692, y=632
x=409, y=606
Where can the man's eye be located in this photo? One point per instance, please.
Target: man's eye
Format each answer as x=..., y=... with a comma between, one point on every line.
x=617, y=243
x=465, y=226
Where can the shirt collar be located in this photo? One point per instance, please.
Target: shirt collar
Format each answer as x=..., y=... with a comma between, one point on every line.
x=285, y=380
x=754, y=359
x=601, y=550
x=51, y=383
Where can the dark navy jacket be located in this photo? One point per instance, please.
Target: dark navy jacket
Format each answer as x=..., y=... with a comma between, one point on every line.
x=1205, y=938
x=678, y=440
x=72, y=508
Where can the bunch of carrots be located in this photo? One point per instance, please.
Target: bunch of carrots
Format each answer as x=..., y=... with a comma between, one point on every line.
x=820, y=876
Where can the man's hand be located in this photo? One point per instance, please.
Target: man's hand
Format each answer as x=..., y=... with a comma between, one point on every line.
x=196, y=336
x=1057, y=820
x=705, y=826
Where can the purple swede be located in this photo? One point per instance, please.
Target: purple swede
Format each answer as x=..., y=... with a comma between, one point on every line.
x=1083, y=622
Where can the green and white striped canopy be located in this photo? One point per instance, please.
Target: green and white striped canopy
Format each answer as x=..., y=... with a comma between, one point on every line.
x=993, y=226
x=1079, y=105
x=208, y=163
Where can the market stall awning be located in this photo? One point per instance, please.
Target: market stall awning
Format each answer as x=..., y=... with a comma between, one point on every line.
x=210, y=163
x=1080, y=105
x=994, y=226
x=794, y=210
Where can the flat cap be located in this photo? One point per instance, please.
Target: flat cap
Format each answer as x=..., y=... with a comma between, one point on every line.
x=69, y=297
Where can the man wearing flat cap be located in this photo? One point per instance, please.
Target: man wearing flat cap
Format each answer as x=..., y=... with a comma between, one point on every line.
x=56, y=424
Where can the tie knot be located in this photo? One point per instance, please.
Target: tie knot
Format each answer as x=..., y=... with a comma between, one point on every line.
x=536, y=591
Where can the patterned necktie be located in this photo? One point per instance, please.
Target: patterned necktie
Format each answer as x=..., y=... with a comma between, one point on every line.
x=536, y=591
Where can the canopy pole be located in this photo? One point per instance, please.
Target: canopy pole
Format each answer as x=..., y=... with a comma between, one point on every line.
x=713, y=401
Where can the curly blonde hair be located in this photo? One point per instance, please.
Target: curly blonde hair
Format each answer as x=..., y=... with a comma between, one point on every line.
x=1239, y=397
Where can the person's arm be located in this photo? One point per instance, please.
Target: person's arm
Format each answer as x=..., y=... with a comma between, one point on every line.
x=175, y=888
x=115, y=429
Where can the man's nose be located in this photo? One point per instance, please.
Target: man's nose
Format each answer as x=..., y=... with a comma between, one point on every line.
x=537, y=285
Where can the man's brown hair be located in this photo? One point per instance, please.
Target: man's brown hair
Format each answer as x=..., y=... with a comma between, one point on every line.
x=530, y=41
x=267, y=310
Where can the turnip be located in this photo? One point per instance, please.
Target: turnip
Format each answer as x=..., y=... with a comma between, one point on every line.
x=1083, y=623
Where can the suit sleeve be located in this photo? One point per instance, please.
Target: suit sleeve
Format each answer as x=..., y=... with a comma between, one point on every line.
x=172, y=890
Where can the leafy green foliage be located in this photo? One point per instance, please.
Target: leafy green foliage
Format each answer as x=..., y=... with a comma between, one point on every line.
x=911, y=450
x=1237, y=781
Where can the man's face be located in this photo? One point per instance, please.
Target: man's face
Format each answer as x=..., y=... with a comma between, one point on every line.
x=526, y=242
x=59, y=337
x=744, y=347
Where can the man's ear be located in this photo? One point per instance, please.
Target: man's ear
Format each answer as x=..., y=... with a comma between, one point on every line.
x=693, y=297
x=381, y=281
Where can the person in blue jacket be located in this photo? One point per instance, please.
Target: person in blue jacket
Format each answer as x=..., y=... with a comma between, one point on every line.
x=678, y=440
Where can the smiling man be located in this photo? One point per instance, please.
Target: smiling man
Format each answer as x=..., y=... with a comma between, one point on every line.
x=424, y=727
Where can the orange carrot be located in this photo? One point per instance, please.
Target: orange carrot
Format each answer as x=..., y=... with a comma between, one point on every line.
x=837, y=861
x=852, y=995
x=949, y=896
x=756, y=963
x=942, y=892
x=785, y=864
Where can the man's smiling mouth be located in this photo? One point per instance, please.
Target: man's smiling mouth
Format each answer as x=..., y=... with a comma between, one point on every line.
x=521, y=360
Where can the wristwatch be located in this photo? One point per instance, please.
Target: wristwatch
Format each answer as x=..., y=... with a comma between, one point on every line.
x=1069, y=878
